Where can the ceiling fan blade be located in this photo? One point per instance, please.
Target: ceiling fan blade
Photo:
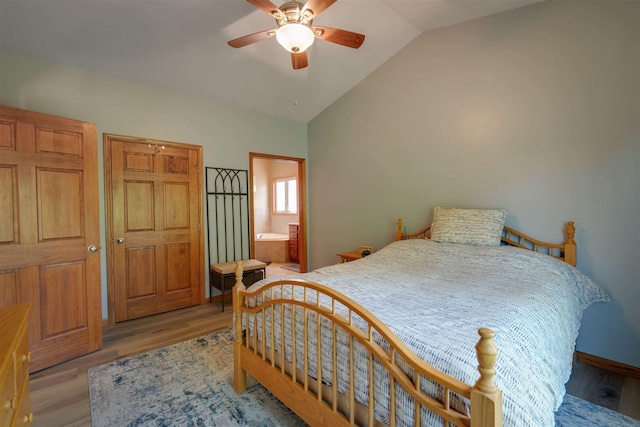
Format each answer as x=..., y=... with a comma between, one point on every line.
x=341, y=37
x=317, y=6
x=266, y=6
x=299, y=60
x=251, y=38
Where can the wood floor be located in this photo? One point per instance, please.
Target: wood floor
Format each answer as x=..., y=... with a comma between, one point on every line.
x=605, y=388
x=60, y=394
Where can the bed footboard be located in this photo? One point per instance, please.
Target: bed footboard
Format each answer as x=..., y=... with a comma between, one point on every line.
x=334, y=363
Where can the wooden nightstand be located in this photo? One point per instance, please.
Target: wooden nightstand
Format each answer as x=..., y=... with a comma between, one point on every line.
x=349, y=256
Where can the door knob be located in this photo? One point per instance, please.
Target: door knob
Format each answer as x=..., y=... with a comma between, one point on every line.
x=120, y=240
x=93, y=248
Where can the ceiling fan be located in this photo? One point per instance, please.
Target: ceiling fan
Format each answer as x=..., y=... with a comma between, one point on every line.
x=295, y=32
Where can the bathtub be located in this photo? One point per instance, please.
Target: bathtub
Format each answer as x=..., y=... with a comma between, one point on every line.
x=271, y=237
x=272, y=247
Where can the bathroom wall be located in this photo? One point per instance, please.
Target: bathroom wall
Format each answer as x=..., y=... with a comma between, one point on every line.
x=264, y=172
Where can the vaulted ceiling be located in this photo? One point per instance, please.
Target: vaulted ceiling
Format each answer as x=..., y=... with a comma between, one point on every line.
x=181, y=45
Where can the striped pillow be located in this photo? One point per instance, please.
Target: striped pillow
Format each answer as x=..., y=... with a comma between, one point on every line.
x=477, y=227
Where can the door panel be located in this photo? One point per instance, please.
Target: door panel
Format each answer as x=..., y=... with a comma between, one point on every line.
x=178, y=260
x=58, y=142
x=48, y=219
x=8, y=204
x=63, y=282
x=154, y=209
x=176, y=206
x=8, y=288
x=60, y=217
x=139, y=202
x=141, y=273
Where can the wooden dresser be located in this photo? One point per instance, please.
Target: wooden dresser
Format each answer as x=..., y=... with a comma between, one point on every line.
x=15, y=408
x=293, y=243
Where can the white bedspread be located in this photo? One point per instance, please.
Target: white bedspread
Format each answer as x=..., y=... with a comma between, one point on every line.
x=435, y=296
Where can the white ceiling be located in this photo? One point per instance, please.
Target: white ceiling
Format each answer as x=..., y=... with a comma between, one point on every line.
x=180, y=45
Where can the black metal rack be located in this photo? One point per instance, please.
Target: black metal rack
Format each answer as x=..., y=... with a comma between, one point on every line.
x=228, y=234
x=228, y=221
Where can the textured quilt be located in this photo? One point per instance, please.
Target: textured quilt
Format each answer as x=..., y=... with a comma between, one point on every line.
x=434, y=297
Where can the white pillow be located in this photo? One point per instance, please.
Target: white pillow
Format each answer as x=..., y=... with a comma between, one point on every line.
x=477, y=227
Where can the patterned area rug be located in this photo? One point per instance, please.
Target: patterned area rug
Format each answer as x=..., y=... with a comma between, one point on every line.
x=186, y=384
x=191, y=384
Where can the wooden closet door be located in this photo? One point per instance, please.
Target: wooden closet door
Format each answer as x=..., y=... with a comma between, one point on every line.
x=49, y=232
x=154, y=216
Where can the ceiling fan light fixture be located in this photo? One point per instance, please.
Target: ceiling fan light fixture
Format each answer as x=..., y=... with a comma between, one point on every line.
x=295, y=37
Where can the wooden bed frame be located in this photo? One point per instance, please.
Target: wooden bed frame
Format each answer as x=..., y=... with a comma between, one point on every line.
x=325, y=405
x=564, y=251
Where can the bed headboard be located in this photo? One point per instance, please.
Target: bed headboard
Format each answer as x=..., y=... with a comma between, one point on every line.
x=564, y=251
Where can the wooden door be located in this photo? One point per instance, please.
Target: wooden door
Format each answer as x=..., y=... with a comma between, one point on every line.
x=154, y=217
x=49, y=232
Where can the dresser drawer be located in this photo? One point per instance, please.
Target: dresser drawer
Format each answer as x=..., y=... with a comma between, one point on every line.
x=22, y=358
x=9, y=397
x=14, y=360
x=293, y=231
x=23, y=415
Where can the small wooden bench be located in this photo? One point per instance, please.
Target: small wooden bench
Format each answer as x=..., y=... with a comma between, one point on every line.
x=222, y=275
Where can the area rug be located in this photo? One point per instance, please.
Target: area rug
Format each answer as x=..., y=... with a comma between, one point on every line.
x=191, y=384
x=186, y=384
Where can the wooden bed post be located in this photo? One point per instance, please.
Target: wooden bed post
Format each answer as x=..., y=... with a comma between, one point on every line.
x=486, y=399
x=399, y=230
x=570, y=245
x=239, y=374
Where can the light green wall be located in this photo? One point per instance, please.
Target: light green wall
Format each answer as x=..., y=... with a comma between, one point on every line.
x=227, y=135
x=535, y=110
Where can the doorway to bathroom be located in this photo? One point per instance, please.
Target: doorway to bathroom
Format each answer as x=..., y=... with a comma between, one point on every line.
x=278, y=219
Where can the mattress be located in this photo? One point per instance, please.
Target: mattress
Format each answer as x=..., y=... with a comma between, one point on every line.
x=434, y=297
